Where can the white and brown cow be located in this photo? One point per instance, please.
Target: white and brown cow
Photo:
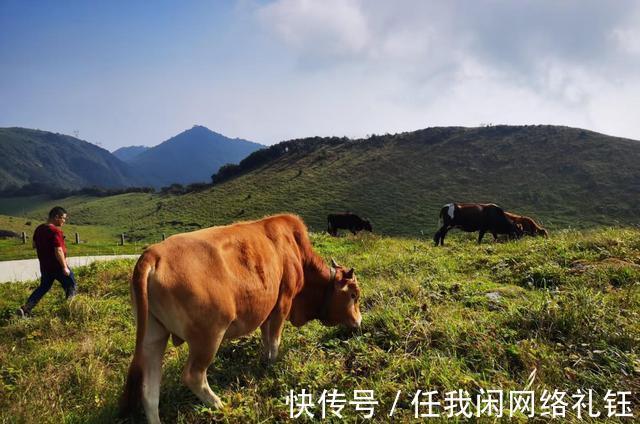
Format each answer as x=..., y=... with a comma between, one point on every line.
x=481, y=217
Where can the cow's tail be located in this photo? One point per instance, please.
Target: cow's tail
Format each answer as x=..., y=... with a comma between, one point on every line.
x=132, y=394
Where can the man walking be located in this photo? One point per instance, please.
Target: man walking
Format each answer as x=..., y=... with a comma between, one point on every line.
x=48, y=240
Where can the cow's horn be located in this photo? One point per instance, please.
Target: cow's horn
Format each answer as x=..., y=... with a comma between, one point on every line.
x=334, y=263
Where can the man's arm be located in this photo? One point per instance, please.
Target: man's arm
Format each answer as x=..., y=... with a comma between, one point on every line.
x=62, y=260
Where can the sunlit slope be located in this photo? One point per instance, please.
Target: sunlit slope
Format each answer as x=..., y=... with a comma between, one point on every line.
x=34, y=157
x=563, y=176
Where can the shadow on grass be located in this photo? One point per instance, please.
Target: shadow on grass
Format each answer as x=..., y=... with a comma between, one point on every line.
x=236, y=366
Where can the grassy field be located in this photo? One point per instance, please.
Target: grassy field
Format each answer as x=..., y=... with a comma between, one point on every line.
x=94, y=239
x=559, y=313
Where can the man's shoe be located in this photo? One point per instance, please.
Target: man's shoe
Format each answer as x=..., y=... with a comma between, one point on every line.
x=22, y=313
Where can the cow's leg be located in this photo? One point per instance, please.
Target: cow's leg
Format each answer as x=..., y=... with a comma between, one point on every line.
x=154, y=344
x=272, y=330
x=439, y=236
x=264, y=335
x=481, y=235
x=443, y=234
x=201, y=353
x=271, y=335
x=495, y=235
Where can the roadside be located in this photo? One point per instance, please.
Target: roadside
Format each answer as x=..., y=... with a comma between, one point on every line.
x=29, y=269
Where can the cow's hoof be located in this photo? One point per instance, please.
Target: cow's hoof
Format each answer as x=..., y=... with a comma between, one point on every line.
x=267, y=360
x=217, y=403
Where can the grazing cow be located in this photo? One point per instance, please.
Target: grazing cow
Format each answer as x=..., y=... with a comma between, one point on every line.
x=527, y=225
x=347, y=221
x=222, y=283
x=475, y=217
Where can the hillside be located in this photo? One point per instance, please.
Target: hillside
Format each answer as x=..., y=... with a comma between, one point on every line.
x=56, y=160
x=126, y=154
x=191, y=156
x=565, y=177
x=558, y=313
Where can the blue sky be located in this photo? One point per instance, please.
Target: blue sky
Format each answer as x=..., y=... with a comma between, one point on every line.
x=131, y=72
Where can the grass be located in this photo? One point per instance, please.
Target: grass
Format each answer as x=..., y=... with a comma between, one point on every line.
x=94, y=239
x=460, y=317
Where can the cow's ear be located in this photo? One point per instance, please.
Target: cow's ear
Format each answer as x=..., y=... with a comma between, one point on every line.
x=334, y=263
x=349, y=274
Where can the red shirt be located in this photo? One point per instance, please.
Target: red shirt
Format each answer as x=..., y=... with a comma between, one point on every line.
x=47, y=238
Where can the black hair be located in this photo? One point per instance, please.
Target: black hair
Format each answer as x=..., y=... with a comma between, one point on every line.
x=56, y=211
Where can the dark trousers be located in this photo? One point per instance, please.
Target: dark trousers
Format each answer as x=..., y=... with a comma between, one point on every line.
x=46, y=281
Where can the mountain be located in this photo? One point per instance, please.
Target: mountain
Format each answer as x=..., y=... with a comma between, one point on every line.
x=126, y=154
x=45, y=159
x=565, y=177
x=191, y=156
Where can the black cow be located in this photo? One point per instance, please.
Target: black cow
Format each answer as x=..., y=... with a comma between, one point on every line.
x=347, y=221
x=475, y=217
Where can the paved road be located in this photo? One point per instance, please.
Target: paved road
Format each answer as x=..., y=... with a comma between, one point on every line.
x=29, y=269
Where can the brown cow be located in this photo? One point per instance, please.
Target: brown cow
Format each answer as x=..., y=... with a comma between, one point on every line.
x=475, y=217
x=527, y=225
x=222, y=283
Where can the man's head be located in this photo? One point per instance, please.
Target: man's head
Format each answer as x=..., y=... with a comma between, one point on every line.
x=57, y=216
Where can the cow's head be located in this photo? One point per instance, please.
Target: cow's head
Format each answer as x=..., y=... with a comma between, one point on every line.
x=542, y=232
x=343, y=305
x=367, y=225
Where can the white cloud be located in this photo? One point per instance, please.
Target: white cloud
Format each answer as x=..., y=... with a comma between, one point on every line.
x=462, y=63
x=333, y=28
x=628, y=40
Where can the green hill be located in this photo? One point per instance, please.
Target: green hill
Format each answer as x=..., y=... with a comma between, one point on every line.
x=45, y=159
x=565, y=177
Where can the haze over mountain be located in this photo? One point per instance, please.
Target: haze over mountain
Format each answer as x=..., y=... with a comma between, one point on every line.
x=58, y=161
x=191, y=156
x=45, y=161
x=125, y=154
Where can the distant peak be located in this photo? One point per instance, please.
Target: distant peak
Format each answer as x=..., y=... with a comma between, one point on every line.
x=201, y=130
